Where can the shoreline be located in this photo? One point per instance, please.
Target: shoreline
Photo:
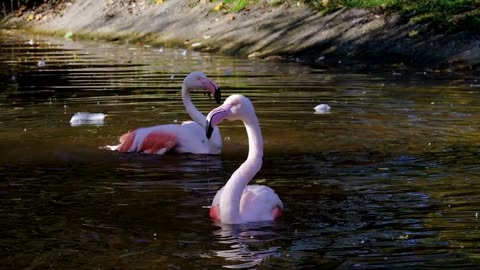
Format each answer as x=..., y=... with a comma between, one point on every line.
x=354, y=37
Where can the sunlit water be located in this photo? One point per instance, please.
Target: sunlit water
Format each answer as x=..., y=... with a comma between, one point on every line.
x=389, y=178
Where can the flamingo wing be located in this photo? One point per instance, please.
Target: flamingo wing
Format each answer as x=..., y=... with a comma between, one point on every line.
x=152, y=142
x=260, y=202
x=158, y=143
x=215, y=209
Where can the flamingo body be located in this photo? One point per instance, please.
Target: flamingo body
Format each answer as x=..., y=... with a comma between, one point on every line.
x=238, y=202
x=252, y=197
x=188, y=137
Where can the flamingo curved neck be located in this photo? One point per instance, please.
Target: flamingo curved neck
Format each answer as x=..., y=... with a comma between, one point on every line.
x=233, y=190
x=194, y=113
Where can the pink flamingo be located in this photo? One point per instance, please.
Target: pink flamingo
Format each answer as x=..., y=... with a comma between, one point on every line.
x=188, y=137
x=237, y=202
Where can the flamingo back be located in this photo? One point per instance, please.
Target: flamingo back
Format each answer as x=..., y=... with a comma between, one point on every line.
x=258, y=203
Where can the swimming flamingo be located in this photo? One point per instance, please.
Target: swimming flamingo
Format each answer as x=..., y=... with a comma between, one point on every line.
x=189, y=137
x=236, y=202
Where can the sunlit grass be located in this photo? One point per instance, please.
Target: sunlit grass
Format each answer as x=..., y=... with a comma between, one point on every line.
x=444, y=14
x=237, y=5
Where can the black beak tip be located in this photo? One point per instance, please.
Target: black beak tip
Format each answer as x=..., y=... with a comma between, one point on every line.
x=208, y=130
x=218, y=96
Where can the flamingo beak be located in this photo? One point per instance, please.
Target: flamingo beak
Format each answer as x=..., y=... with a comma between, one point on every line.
x=217, y=95
x=216, y=116
x=208, y=129
x=212, y=88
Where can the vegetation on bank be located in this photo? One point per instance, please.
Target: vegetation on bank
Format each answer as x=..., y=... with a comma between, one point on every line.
x=443, y=14
x=447, y=15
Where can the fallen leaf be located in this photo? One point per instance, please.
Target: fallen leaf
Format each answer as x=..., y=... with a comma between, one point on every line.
x=68, y=35
x=218, y=7
x=20, y=11
x=254, y=55
x=412, y=33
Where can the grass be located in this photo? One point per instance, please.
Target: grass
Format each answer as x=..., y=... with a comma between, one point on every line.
x=449, y=15
x=237, y=5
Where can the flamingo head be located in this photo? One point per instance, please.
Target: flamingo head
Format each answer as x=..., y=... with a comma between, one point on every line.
x=198, y=80
x=235, y=107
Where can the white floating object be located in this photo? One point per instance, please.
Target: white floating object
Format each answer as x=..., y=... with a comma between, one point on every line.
x=182, y=52
x=396, y=73
x=322, y=108
x=85, y=118
x=41, y=63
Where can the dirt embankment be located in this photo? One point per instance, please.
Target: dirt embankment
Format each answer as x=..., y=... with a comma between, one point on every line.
x=351, y=36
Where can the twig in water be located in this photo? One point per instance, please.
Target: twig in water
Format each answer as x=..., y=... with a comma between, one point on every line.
x=4, y=9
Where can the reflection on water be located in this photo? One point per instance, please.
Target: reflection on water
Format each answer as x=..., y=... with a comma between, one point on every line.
x=388, y=178
x=247, y=245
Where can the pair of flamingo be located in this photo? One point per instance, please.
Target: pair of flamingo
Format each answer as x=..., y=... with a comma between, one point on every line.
x=236, y=202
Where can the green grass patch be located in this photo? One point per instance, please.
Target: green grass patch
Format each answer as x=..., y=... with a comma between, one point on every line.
x=237, y=5
x=444, y=14
x=449, y=15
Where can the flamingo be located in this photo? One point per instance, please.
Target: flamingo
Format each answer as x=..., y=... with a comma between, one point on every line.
x=188, y=137
x=238, y=202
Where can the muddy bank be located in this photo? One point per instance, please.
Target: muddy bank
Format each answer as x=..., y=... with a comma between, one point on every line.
x=357, y=37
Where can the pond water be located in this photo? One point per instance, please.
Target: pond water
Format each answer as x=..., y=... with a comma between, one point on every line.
x=390, y=178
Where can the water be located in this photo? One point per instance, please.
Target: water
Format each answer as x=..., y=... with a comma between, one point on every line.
x=388, y=179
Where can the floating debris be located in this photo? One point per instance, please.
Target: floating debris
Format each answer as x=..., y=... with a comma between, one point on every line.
x=68, y=35
x=181, y=52
x=322, y=108
x=41, y=63
x=85, y=118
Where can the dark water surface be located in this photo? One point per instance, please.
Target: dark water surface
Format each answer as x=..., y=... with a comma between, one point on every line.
x=389, y=179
